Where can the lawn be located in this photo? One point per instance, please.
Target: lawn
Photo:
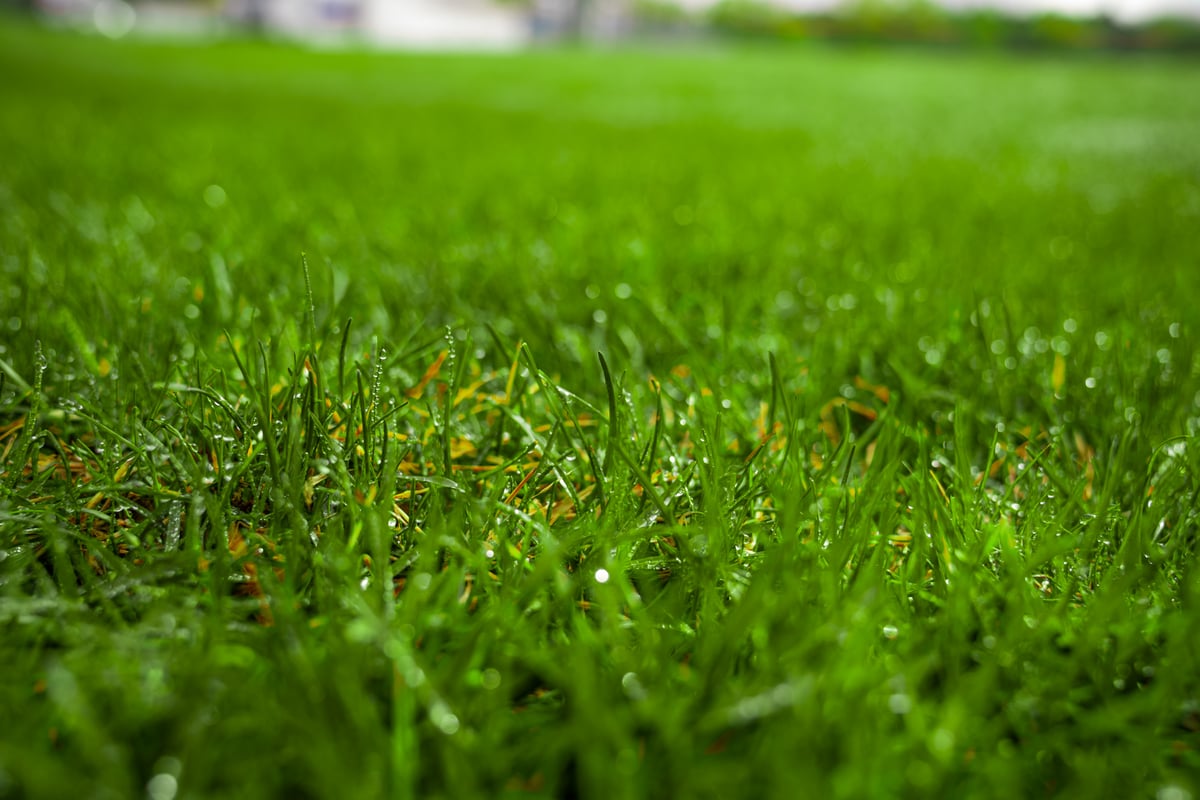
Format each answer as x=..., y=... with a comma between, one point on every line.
x=695, y=422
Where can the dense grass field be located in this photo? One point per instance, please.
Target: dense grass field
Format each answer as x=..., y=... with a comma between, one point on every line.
x=698, y=423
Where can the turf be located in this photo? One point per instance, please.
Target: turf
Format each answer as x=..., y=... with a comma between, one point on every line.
x=753, y=422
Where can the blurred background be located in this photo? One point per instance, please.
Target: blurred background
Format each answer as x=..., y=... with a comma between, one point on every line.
x=509, y=24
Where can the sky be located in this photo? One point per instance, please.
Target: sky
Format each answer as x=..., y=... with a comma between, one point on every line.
x=1128, y=10
x=1121, y=9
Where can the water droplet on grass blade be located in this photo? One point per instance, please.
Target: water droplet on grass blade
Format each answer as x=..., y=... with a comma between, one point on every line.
x=900, y=704
x=633, y=687
x=214, y=196
x=445, y=721
x=162, y=787
x=1173, y=792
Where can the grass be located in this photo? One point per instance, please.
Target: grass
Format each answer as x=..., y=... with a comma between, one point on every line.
x=883, y=485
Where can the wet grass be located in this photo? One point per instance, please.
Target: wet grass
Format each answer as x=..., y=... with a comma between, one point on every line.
x=882, y=483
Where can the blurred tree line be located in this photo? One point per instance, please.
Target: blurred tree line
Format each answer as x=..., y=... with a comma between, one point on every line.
x=925, y=22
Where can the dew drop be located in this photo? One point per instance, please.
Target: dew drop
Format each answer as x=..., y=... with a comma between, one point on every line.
x=445, y=721
x=162, y=787
x=214, y=196
x=900, y=703
x=632, y=686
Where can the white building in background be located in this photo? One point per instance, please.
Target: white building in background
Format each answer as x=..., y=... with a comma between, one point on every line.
x=475, y=24
x=487, y=24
